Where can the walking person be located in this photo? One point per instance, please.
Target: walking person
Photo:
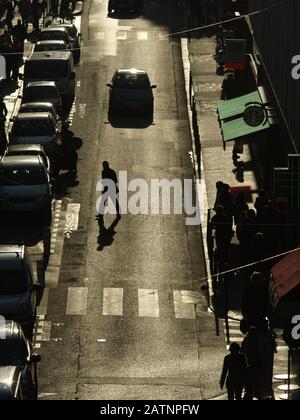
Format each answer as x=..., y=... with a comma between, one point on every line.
x=223, y=234
x=36, y=13
x=24, y=9
x=234, y=373
x=10, y=13
x=108, y=174
x=19, y=33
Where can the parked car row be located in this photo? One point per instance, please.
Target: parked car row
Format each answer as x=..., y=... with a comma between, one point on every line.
x=27, y=169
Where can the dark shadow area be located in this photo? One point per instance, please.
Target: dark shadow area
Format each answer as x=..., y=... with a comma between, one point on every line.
x=106, y=235
x=130, y=120
x=7, y=87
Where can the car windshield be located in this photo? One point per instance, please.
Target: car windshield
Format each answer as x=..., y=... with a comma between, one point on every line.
x=13, y=352
x=32, y=128
x=52, y=35
x=50, y=47
x=45, y=93
x=22, y=176
x=12, y=280
x=131, y=81
x=47, y=69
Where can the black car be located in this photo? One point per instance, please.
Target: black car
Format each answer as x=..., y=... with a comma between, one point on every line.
x=125, y=6
x=131, y=89
x=18, y=364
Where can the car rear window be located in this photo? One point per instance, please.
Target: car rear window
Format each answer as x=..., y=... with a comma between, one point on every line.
x=32, y=128
x=22, y=176
x=13, y=352
x=52, y=35
x=45, y=69
x=12, y=282
x=48, y=47
x=131, y=80
x=41, y=94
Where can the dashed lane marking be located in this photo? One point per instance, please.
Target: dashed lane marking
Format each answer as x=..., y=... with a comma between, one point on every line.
x=77, y=301
x=148, y=303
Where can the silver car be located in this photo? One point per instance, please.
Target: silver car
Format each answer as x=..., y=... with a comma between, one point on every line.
x=43, y=91
x=35, y=128
x=24, y=184
x=18, y=286
x=50, y=45
x=28, y=150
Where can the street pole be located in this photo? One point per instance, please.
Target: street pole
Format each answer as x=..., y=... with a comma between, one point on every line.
x=226, y=291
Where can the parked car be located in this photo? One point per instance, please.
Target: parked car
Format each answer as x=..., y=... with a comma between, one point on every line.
x=74, y=35
x=36, y=128
x=24, y=185
x=51, y=45
x=18, y=286
x=18, y=364
x=131, y=88
x=29, y=150
x=56, y=66
x=127, y=6
x=43, y=91
x=40, y=107
x=58, y=33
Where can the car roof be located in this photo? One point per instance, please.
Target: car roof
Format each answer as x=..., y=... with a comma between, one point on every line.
x=21, y=161
x=12, y=250
x=134, y=71
x=41, y=83
x=49, y=55
x=11, y=330
x=51, y=42
x=53, y=29
x=33, y=116
x=8, y=375
x=25, y=148
x=38, y=105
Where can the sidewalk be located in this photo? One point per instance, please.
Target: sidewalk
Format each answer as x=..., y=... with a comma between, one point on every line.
x=216, y=165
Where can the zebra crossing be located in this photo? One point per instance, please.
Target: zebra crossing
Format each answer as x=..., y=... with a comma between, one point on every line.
x=149, y=302
x=129, y=35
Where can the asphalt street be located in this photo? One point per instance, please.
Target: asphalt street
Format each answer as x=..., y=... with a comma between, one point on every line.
x=118, y=315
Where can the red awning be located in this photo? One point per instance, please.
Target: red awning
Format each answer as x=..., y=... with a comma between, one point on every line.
x=286, y=274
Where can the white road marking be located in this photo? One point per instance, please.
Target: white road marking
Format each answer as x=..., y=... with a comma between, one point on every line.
x=183, y=310
x=72, y=218
x=42, y=308
x=191, y=297
x=148, y=303
x=142, y=36
x=121, y=35
x=77, y=301
x=112, y=301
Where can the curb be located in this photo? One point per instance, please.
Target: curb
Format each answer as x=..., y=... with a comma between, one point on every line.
x=202, y=192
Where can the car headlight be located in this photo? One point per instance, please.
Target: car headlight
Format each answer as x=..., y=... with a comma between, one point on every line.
x=23, y=307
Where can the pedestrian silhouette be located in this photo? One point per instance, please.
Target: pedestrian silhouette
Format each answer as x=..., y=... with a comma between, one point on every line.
x=223, y=234
x=234, y=373
x=109, y=174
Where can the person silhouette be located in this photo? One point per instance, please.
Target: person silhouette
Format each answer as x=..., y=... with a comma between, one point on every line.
x=106, y=235
x=108, y=174
x=234, y=372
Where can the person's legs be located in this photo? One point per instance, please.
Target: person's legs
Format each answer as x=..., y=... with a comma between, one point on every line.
x=230, y=393
x=238, y=393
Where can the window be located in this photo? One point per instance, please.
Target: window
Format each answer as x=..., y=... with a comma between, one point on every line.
x=45, y=69
x=43, y=93
x=22, y=176
x=131, y=80
x=33, y=128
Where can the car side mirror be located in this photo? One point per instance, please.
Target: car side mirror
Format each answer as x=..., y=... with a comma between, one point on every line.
x=20, y=96
x=21, y=76
x=36, y=287
x=72, y=75
x=35, y=358
x=12, y=119
x=109, y=85
x=153, y=86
